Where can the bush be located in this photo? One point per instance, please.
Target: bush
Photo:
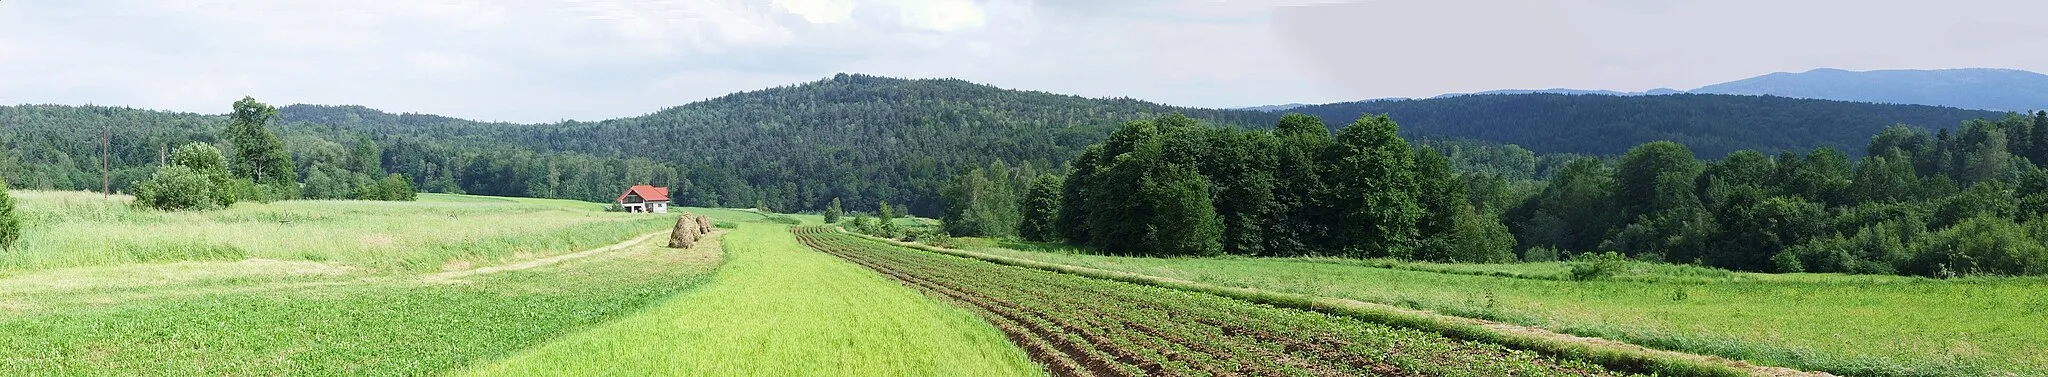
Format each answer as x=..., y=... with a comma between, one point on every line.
x=1786, y=262
x=1984, y=245
x=178, y=188
x=1539, y=254
x=934, y=237
x=10, y=222
x=1596, y=266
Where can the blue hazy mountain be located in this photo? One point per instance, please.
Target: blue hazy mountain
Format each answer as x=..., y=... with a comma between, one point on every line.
x=1964, y=88
x=1273, y=108
x=1969, y=88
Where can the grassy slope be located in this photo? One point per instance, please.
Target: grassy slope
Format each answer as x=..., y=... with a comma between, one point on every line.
x=1859, y=325
x=778, y=309
x=102, y=289
x=345, y=324
x=76, y=229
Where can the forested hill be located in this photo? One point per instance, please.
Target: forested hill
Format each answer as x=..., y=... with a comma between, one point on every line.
x=1713, y=125
x=862, y=138
x=866, y=139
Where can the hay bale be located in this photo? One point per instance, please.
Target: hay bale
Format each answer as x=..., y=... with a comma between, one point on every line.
x=703, y=224
x=685, y=233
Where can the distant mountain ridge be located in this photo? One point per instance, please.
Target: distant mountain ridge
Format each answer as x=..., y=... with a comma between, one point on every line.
x=1994, y=89
x=1967, y=88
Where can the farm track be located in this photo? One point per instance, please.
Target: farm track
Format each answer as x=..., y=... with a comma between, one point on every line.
x=1080, y=326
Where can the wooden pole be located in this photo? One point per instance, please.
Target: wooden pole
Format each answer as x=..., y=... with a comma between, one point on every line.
x=106, y=164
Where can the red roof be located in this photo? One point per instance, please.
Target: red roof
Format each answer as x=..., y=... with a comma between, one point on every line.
x=646, y=192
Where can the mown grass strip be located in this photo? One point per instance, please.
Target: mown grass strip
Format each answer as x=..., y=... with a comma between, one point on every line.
x=777, y=309
x=352, y=324
x=1610, y=354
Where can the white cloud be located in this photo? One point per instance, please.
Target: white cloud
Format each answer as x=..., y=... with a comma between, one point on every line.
x=941, y=15
x=818, y=11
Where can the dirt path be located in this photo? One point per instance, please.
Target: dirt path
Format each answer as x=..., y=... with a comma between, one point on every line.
x=453, y=277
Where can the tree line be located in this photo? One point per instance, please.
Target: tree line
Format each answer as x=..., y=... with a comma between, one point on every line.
x=867, y=139
x=1171, y=186
x=1943, y=204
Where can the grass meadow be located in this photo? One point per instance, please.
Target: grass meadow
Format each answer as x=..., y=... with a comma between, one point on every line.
x=98, y=288
x=779, y=309
x=1852, y=325
x=79, y=229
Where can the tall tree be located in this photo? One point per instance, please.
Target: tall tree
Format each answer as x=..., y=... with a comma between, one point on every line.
x=1299, y=225
x=981, y=203
x=259, y=156
x=1574, y=210
x=1041, y=206
x=1073, y=217
x=365, y=157
x=886, y=218
x=1655, y=177
x=1374, y=190
x=1442, y=197
x=1181, y=220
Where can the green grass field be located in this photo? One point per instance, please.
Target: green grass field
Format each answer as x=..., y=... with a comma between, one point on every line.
x=78, y=229
x=102, y=289
x=1856, y=325
x=779, y=309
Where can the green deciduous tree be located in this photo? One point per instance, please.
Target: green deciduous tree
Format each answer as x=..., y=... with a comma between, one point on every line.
x=832, y=212
x=1374, y=190
x=259, y=156
x=1181, y=220
x=196, y=179
x=10, y=219
x=1041, y=206
x=885, y=219
x=981, y=203
x=1300, y=215
x=178, y=187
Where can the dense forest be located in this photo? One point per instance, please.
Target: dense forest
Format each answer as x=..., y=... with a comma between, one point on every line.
x=1712, y=125
x=866, y=139
x=1969, y=202
x=1942, y=204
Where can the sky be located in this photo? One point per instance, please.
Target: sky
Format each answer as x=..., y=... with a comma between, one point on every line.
x=551, y=60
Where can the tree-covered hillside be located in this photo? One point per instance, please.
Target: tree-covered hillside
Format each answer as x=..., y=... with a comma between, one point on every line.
x=862, y=138
x=1713, y=125
x=868, y=139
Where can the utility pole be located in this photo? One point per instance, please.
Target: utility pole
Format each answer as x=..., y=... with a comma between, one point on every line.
x=106, y=165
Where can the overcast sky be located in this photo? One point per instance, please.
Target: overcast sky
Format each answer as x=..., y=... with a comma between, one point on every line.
x=543, y=61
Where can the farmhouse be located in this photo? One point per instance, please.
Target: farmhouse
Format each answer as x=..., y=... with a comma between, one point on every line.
x=644, y=199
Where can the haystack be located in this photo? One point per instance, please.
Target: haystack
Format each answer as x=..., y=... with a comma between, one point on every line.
x=703, y=224
x=685, y=233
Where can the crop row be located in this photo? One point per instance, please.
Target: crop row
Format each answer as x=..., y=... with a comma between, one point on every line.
x=1079, y=326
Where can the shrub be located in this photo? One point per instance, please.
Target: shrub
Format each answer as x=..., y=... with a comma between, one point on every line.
x=178, y=188
x=10, y=222
x=1786, y=262
x=1984, y=245
x=1595, y=266
x=934, y=237
x=1539, y=254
